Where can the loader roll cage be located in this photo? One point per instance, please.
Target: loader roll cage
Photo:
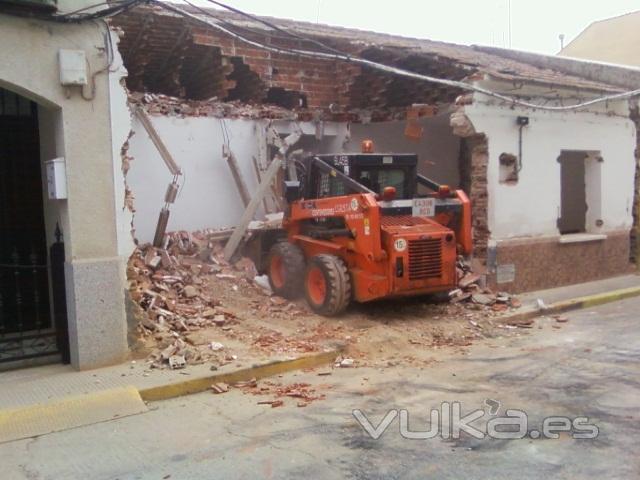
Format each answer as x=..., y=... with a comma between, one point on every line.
x=323, y=176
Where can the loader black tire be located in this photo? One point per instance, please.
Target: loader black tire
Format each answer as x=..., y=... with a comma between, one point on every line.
x=285, y=269
x=327, y=285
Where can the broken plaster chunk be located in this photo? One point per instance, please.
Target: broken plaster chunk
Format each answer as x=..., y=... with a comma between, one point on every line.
x=461, y=125
x=165, y=258
x=177, y=361
x=346, y=363
x=468, y=280
x=262, y=281
x=482, y=299
x=219, y=320
x=216, y=346
x=190, y=291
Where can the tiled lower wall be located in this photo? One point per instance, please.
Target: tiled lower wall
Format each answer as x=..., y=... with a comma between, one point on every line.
x=536, y=264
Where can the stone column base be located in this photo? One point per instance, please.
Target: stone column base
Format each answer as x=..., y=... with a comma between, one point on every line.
x=95, y=304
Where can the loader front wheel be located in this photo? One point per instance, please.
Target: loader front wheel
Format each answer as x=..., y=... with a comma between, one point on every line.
x=286, y=269
x=327, y=285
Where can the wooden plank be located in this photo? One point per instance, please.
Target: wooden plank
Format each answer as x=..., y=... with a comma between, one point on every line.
x=233, y=243
x=256, y=168
x=232, y=161
x=157, y=141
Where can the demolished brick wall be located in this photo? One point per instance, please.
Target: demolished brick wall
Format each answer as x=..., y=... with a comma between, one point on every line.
x=478, y=149
x=167, y=55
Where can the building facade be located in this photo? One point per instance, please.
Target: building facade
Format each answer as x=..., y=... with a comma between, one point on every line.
x=75, y=304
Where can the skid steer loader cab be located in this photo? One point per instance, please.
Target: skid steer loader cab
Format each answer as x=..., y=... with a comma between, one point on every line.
x=357, y=228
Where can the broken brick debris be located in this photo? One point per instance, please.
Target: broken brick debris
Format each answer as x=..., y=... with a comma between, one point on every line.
x=176, y=290
x=470, y=290
x=166, y=285
x=220, y=387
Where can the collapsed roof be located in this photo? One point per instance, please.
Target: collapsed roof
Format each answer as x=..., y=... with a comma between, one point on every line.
x=166, y=53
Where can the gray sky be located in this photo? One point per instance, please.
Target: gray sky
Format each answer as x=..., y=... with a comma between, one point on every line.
x=535, y=24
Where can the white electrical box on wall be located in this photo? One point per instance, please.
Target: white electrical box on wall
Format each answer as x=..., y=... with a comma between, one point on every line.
x=56, y=179
x=73, y=67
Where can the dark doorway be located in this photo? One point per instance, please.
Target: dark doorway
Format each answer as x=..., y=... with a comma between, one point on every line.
x=26, y=327
x=573, y=211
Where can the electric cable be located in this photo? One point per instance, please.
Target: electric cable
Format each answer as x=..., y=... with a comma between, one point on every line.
x=388, y=68
x=272, y=25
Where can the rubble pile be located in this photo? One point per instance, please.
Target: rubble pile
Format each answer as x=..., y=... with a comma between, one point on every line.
x=470, y=291
x=159, y=104
x=192, y=307
x=168, y=284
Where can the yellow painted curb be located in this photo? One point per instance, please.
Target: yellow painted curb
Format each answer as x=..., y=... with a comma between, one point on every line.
x=588, y=301
x=69, y=412
x=197, y=385
x=607, y=297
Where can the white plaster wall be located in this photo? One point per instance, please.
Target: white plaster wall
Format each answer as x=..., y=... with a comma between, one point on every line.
x=437, y=150
x=532, y=206
x=120, y=129
x=209, y=197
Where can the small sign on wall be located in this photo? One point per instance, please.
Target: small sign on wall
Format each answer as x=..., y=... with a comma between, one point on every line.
x=506, y=273
x=56, y=179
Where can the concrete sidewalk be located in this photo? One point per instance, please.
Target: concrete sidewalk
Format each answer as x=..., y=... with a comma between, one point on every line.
x=42, y=384
x=569, y=292
x=39, y=385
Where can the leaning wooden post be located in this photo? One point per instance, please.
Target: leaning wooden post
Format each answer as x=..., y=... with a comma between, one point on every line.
x=233, y=243
x=172, y=189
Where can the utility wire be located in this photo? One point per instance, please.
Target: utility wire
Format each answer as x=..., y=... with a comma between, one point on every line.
x=113, y=8
x=386, y=68
x=271, y=25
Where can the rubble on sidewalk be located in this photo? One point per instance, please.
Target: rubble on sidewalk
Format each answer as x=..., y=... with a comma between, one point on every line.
x=168, y=285
x=470, y=290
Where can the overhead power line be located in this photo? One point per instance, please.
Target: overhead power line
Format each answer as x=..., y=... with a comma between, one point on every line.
x=371, y=64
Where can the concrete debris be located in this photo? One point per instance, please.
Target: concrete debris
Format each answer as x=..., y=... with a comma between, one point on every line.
x=346, y=363
x=482, y=299
x=468, y=280
x=167, y=284
x=470, y=289
x=177, y=361
x=263, y=282
x=540, y=304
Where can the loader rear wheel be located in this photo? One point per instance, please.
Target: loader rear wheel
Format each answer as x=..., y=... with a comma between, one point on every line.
x=327, y=285
x=286, y=269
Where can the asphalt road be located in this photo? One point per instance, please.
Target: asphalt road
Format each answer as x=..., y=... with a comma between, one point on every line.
x=587, y=367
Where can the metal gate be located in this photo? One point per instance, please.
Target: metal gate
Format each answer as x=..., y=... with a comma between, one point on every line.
x=27, y=326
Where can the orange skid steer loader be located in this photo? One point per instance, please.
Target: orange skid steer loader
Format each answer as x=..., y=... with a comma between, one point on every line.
x=357, y=229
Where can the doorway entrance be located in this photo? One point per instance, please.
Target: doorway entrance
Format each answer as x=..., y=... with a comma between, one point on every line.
x=27, y=329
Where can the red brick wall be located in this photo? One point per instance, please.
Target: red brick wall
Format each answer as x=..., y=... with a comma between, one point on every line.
x=322, y=81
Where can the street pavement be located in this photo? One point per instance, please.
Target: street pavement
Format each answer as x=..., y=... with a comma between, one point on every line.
x=587, y=367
